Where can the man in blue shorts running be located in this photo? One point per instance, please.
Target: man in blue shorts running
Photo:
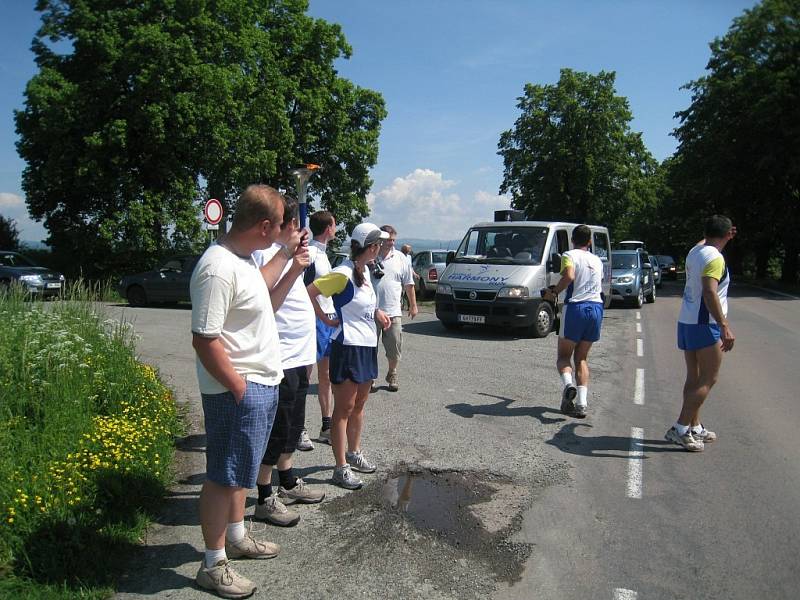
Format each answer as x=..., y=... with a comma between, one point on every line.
x=581, y=319
x=703, y=330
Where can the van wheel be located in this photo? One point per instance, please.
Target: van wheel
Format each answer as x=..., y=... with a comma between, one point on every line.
x=638, y=301
x=543, y=324
x=651, y=297
x=136, y=296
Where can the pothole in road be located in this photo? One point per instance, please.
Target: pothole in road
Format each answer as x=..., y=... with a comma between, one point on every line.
x=449, y=529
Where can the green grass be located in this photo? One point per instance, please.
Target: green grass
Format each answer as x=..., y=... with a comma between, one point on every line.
x=86, y=439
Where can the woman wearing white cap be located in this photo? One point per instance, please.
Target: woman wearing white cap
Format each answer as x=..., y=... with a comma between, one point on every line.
x=354, y=354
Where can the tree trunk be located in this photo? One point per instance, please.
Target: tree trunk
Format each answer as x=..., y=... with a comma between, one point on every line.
x=790, y=260
x=762, y=259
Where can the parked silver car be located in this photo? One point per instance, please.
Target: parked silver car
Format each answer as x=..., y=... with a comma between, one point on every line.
x=168, y=283
x=429, y=265
x=35, y=280
x=632, y=277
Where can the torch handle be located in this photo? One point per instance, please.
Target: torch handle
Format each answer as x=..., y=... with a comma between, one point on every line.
x=303, y=214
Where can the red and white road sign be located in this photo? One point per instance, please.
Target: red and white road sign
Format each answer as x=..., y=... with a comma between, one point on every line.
x=213, y=211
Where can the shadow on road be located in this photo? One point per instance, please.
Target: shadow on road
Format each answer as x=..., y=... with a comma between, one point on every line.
x=604, y=446
x=503, y=408
x=163, y=578
x=436, y=329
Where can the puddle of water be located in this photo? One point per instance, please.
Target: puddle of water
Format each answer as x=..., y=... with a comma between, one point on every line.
x=430, y=501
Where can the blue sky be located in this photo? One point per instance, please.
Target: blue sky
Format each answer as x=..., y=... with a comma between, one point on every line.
x=451, y=72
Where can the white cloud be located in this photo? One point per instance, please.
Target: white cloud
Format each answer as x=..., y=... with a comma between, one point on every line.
x=426, y=205
x=12, y=206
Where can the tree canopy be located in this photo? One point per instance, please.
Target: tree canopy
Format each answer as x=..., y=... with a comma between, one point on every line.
x=572, y=156
x=9, y=234
x=140, y=111
x=739, y=140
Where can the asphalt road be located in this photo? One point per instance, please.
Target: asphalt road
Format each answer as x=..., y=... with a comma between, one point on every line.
x=508, y=498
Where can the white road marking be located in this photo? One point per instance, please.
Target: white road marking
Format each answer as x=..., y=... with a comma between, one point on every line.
x=638, y=387
x=638, y=328
x=623, y=594
x=639, y=347
x=638, y=315
x=635, y=464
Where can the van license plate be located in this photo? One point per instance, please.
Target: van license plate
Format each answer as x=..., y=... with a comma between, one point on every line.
x=472, y=318
x=53, y=286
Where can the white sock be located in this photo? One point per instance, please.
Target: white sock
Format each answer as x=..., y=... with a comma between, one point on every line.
x=235, y=531
x=682, y=429
x=214, y=556
x=566, y=378
x=698, y=428
x=582, y=392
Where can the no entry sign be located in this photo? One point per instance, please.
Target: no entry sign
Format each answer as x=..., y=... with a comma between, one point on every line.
x=213, y=211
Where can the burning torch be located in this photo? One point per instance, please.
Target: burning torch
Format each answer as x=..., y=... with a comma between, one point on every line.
x=301, y=176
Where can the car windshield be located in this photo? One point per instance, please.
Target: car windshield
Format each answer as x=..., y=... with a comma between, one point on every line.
x=503, y=244
x=11, y=259
x=624, y=261
x=439, y=257
x=665, y=260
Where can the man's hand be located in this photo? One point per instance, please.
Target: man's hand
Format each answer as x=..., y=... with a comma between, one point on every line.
x=413, y=311
x=239, y=390
x=302, y=258
x=727, y=338
x=382, y=319
x=291, y=238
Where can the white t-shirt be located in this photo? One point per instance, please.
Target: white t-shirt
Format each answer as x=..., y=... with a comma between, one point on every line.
x=295, y=318
x=320, y=265
x=230, y=301
x=588, y=283
x=396, y=275
x=703, y=261
x=355, y=306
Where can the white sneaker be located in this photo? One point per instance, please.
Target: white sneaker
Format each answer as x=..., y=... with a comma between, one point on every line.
x=687, y=440
x=304, y=443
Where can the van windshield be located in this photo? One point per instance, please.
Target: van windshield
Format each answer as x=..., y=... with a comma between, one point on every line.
x=503, y=245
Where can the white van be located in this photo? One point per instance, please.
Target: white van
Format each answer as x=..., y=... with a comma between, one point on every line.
x=496, y=275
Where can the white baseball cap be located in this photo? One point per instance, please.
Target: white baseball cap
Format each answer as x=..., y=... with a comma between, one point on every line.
x=367, y=234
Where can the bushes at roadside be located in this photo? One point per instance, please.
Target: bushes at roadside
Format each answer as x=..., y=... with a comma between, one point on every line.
x=86, y=439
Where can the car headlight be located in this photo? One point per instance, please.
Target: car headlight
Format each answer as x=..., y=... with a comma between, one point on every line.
x=32, y=279
x=61, y=278
x=625, y=279
x=444, y=288
x=513, y=292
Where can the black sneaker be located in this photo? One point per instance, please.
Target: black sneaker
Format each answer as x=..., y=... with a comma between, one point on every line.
x=568, y=399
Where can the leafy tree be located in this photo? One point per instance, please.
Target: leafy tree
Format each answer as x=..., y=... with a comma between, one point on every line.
x=571, y=154
x=9, y=235
x=739, y=140
x=140, y=111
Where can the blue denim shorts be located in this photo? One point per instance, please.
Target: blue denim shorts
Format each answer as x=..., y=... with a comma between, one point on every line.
x=237, y=434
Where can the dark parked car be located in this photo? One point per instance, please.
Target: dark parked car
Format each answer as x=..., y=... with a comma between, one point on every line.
x=35, y=280
x=337, y=258
x=429, y=265
x=632, y=277
x=669, y=270
x=168, y=283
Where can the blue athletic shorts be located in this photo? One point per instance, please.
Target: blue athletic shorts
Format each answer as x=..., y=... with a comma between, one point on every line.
x=581, y=321
x=697, y=336
x=324, y=338
x=237, y=434
x=356, y=363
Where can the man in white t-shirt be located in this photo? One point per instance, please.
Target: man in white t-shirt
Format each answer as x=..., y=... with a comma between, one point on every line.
x=703, y=330
x=238, y=370
x=393, y=275
x=323, y=228
x=295, y=320
x=581, y=319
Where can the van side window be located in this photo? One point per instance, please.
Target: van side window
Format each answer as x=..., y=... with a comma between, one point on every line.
x=601, y=245
x=563, y=241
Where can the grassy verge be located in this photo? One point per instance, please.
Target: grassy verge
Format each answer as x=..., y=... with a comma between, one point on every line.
x=86, y=439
